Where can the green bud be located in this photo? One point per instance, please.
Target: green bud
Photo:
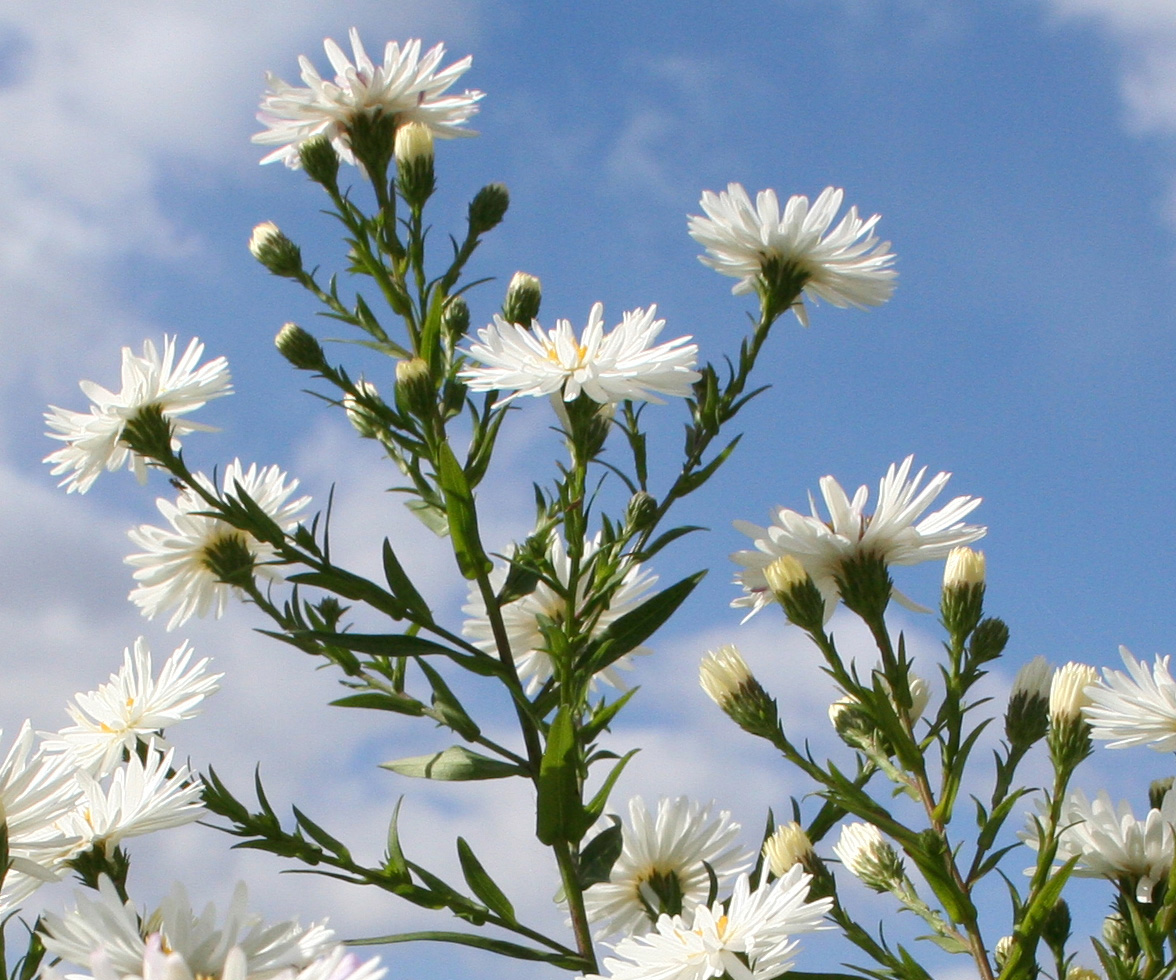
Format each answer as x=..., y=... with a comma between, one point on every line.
x=523, y=296
x=1158, y=790
x=1004, y=948
x=1118, y=936
x=1056, y=930
x=989, y=640
x=641, y=511
x=455, y=320
x=962, y=601
x=488, y=208
x=729, y=682
x=795, y=590
x=275, y=251
x=866, y=854
x=415, y=393
x=300, y=348
x=415, y=175
x=320, y=161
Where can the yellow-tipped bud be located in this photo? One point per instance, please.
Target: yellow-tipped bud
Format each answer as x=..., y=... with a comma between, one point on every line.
x=414, y=142
x=964, y=567
x=1067, y=692
x=275, y=251
x=789, y=845
x=415, y=394
x=784, y=574
x=723, y=673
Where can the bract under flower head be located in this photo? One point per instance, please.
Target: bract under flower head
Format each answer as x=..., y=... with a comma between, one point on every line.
x=94, y=440
x=607, y=367
x=846, y=266
x=405, y=85
x=890, y=533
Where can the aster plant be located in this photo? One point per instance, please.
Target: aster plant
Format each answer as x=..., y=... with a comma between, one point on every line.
x=551, y=621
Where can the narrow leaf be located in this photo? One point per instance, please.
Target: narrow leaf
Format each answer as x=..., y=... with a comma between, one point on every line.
x=481, y=884
x=558, y=803
x=455, y=763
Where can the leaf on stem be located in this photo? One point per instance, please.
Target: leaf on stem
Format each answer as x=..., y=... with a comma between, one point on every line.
x=455, y=763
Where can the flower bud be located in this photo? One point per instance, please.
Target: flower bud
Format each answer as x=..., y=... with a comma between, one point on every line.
x=641, y=510
x=275, y=251
x=729, y=682
x=1069, y=732
x=1027, y=715
x=789, y=845
x=1082, y=973
x=523, y=296
x=863, y=851
x=455, y=321
x=1158, y=790
x=359, y=414
x=795, y=590
x=1004, y=947
x=1055, y=933
x=320, y=161
x=415, y=393
x=962, y=601
x=300, y=348
x=989, y=640
x=488, y=208
x=414, y=163
x=1118, y=936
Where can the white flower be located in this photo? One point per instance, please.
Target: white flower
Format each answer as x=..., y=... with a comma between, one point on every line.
x=142, y=798
x=608, y=368
x=93, y=441
x=753, y=940
x=723, y=673
x=789, y=845
x=847, y=266
x=36, y=791
x=868, y=855
x=405, y=85
x=173, y=571
x=1067, y=692
x=106, y=925
x=1134, y=708
x=1112, y=843
x=890, y=533
x=661, y=855
x=132, y=707
x=521, y=616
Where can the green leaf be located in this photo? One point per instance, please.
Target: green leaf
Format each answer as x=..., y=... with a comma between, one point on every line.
x=455, y=763
x=463, y=521
x=600, y=854
x=662, y=540
x=320, y=836
x=402, y=587
x=596, y=806
x=395, y=865
x=352, y=587
x=481, y=884
x=604, y=714
x=430, y=514
x=638, y=625
x=566, y=961
x=401, y=704
x=560, y=811
x=449, y=710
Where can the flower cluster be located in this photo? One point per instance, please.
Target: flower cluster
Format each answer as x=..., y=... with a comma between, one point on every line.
x=406, y=86
x=607, y=367
x=822, y=547
x=94, y=441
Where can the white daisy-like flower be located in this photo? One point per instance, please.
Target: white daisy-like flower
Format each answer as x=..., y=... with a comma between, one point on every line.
x=93, y=440
x=173, y=571
x=665, y=854
x=521, y=617
x=754, y=939
x=106, y=925
x=846, y=266
x=141, y=798
x=36, y=791
x=1134, y=708
x=608, y=368
x=1111, y=843
x=405, y=85
x=890, y=533
x=132, y=707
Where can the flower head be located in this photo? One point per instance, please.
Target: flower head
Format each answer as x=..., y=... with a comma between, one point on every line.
x=174, y=570
x=663, y=865
x=406, y=86
x=1068, y=696
x=870, y=857
x=1134, y=708
x=522, y=617
x=1112, y=843
x=244, y=946
x=754, y=939
x=789, y=845
x=846, y=266
x=132, y=707
x=94, y=441
x=608, y=368
x=823, y=546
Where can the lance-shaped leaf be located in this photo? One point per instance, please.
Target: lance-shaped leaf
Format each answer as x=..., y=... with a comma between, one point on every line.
x=481, y=884
x=455, y=763
x=600, y=854
x=565, y=961
x=463, y=521
x=638, y=625
x=560, y=812
x=353, y=587
x=402, y=704
x=402, y=587
x=395, y=865
x=400, y=645
x=448, y=709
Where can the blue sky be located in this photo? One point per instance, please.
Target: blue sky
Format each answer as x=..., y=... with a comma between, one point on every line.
x=1022, y=158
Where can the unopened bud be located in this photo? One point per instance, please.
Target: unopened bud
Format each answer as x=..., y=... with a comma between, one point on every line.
x=275, y=251
x=795, y=590
x=359, y=411
x=989, y=640
x=964, y=567
x=1118, y=936
x=320, y=161
x=1082, y=973
x=415, y=393
x=523, y=297
x=789, y=845
x=1027, y=716
x=455, y=321
x=641, y=510
x=300, y=348
x=1056, y=930
x=1158, y=790
x=1069, y=732
x=414, y=163
x=729, y=682
x=488, y=208
x=962, y=601
x=867, y=855
x=1004, y=948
